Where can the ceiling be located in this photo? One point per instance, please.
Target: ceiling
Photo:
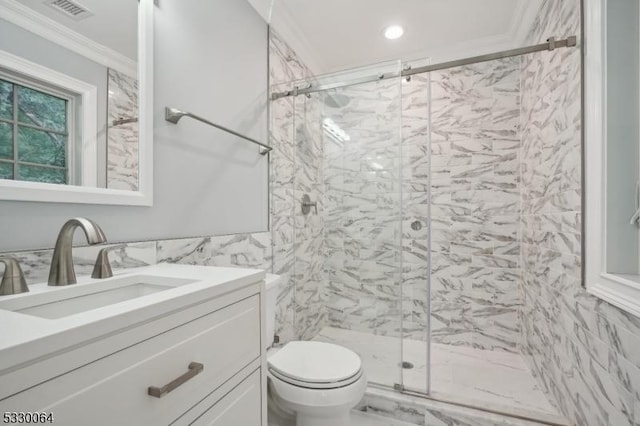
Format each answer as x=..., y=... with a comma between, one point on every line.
x=114, y=23
x=332, y=35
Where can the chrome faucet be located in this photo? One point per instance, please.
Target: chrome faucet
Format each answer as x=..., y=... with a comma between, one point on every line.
x=62, y=271
x=13, y=279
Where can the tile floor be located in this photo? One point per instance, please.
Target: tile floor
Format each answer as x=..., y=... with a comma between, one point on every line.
x=494, y=379
x=358, y=418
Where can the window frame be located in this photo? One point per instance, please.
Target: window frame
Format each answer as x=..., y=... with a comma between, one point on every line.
x=622, y=291
x=84, y=118
x=72, y=134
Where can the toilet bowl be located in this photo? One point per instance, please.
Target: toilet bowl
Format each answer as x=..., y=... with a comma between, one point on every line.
x=311, y=383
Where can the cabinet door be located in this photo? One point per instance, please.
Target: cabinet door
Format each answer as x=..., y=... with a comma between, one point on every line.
x=241, y=407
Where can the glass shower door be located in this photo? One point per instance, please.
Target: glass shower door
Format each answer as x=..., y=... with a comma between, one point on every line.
x=360, y=125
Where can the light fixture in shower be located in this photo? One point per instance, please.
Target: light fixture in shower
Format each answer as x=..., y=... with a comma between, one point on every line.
x=393, y=32
x=334, y=131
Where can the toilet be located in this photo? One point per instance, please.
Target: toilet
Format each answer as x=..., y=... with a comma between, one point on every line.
x=310, y=383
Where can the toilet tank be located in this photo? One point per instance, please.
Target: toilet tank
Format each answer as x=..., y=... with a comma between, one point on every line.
x=272, y=283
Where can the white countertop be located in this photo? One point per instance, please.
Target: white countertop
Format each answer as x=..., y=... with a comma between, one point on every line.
x=25, y=338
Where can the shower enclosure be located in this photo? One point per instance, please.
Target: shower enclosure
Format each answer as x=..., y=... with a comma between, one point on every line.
x=362, y=217
x=411, y=257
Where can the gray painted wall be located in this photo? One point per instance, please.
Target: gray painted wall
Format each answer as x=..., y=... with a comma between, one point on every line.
x=211, y=59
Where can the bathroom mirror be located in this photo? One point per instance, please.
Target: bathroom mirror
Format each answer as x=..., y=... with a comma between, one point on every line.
x=612, y=152
x=76, y=101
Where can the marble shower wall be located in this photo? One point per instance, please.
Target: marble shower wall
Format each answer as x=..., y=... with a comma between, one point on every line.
x=584, y=352
x=310, y=282
x=415, y=163
x=475, y=205
x=296, y=170
x=122, y=139
x=362, y=208
x=377, y=197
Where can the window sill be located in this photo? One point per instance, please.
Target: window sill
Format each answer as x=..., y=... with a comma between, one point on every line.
x=620, y=290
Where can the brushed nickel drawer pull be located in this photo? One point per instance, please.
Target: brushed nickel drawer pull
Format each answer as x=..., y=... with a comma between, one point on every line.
x=195, y=368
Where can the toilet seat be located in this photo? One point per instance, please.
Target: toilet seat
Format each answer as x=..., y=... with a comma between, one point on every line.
x=315, y=365
x=315, y=385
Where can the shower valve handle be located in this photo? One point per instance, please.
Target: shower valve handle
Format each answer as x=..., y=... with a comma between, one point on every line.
x=307, y=204
x=314, y=205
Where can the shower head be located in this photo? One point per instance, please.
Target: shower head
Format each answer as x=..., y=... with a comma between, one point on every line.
x=336, y=100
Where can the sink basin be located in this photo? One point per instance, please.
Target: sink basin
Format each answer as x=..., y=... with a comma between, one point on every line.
x=88, y=302
x=78, y=298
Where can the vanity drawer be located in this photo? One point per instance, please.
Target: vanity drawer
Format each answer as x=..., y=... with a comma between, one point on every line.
x=240, y=407
x=114, y=389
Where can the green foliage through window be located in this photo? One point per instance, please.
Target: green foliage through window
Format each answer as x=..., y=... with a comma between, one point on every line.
x=33, y=134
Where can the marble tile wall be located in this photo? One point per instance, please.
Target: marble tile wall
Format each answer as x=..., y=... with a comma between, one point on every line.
x=296, y=170
x=282, y=207
x=122, y=139
x=240, y=250
x=415, y=163
x=584, y=352
x=310, y=294
x=362, y=208
x=475, y=205
x=470, y=133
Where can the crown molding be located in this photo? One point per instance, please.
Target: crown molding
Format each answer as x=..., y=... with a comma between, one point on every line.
x=25, y=17
x=284, y=23
x=516, y=36
x=522, y=22
x=264, y=8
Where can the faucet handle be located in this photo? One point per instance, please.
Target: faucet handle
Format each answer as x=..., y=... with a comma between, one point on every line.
x=13, y=281
x=102, y=267
x=62, y=271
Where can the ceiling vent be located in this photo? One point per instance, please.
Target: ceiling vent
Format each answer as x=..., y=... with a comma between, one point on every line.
x=70, y=9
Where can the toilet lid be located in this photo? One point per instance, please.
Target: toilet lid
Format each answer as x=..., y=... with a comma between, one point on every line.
x=315, y=362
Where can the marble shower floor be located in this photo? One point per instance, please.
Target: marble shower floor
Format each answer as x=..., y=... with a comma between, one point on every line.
x=493, y=379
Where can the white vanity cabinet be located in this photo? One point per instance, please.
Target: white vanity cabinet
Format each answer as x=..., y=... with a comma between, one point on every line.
x=208, y=356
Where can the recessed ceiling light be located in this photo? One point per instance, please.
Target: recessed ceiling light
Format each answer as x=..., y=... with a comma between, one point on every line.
x=393, y=32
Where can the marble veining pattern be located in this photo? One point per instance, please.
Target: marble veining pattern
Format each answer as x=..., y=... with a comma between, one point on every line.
x=475, y=205
x=459, y=132
x=498, y=380
x=362, y=215
x=415, y=186
x=359, y=418
x=298, y=240
x=122, y=139
x=428, y=412
x=583, y=351
x=239, y=250
x=310, y=282
x=35, y=264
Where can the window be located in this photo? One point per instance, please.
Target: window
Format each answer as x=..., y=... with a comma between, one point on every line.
x=35, y=134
